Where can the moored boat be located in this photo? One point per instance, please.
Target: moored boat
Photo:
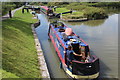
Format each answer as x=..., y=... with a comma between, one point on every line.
x=48, y=11
x=83, y=64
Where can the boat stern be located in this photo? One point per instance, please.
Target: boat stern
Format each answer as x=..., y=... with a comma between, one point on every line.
x=84, y=70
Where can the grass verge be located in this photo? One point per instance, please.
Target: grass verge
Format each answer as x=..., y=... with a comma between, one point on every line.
x=74, y=15
x=19, y=56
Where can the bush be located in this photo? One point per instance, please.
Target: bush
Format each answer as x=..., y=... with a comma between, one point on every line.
x=89, y=12
x=6, y=6
x=77, y=7
x=58, y=4
x=95, y=13
x=107, y=4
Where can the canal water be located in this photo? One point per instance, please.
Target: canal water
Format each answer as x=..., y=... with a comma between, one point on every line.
x=102, y=37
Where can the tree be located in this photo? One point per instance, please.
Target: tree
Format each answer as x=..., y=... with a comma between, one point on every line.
x=8, y=6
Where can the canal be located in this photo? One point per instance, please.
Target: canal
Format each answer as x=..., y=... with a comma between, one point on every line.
x=102, y=37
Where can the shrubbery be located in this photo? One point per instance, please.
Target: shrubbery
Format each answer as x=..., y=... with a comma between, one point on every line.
x=95, y=13
x=6, y=7
x=76, y=7
x=89, y=12
x=58, y=4
x=107, y=4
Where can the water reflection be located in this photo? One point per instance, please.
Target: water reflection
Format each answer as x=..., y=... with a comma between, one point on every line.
x=73, y=23
x=90, y=23
x=94, y=23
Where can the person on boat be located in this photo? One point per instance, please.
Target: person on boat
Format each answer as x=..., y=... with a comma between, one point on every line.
x=80, y=55
x=85, y=57
x=88, y=58
x=70, y=55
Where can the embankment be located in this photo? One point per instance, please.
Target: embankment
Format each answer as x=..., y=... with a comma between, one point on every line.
x=19, y=55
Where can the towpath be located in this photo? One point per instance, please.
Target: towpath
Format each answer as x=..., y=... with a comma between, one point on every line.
x=7, y=15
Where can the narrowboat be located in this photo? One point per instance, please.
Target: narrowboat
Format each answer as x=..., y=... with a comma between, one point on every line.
x=78, y=67
x=47, y=11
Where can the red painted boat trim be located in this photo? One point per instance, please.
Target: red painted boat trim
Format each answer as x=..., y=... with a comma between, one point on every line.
x=58, y=38
x=95, y=58
x=58, y=51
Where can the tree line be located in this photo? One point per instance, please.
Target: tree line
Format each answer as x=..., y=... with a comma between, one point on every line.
x=8, y=6
x=94, y=4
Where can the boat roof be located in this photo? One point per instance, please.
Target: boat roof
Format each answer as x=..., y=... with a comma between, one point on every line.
x=45, y=7
x=66, y=43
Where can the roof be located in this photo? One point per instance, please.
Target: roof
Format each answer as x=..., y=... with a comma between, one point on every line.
x=45, y=7
x=66, y=43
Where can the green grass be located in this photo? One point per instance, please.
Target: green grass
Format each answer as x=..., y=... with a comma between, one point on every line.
x=61, y=10
x=19, y=56
x=74, y=15
x=78, y=13
x=8, y=74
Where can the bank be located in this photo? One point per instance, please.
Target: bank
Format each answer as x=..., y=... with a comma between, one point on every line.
x=81, y=13
x=19, y=55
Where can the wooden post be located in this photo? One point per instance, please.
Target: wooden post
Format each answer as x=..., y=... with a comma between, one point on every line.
x=61, y=16
x=10, y=14
x=22, y=10
x=27, y=10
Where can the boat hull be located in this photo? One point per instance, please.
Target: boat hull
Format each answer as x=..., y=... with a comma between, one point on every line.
x=70, y=72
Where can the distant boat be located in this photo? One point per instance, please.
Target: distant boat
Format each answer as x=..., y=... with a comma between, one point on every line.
x=78, y=68
x=47, y=11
